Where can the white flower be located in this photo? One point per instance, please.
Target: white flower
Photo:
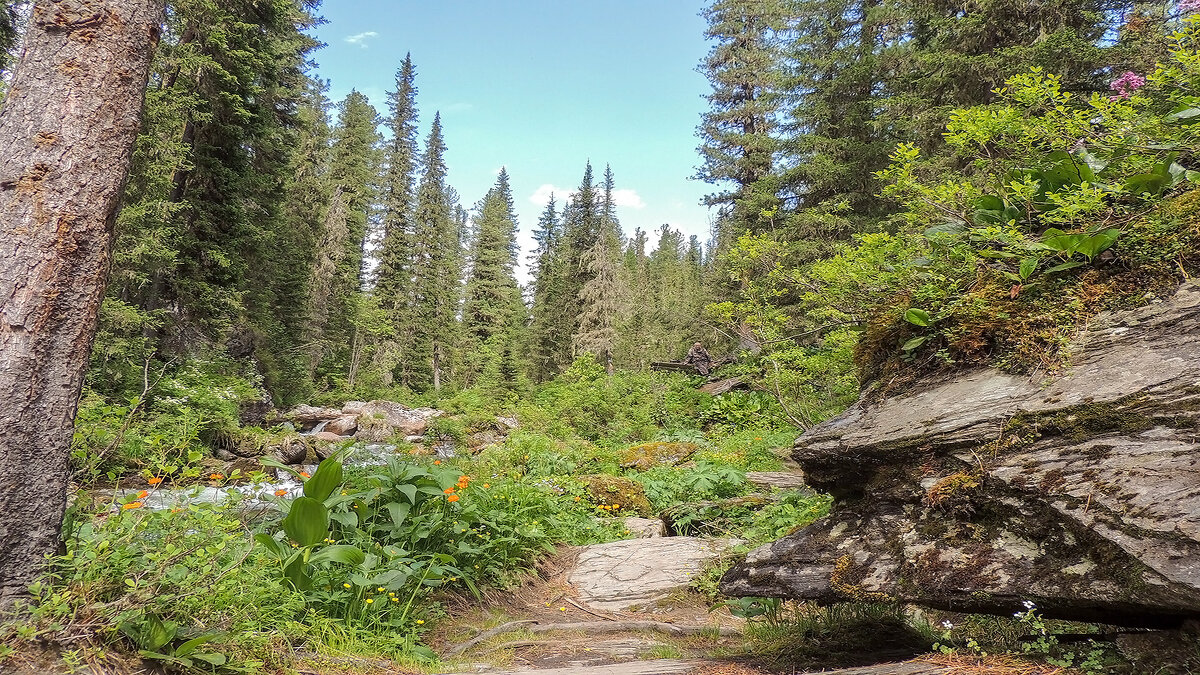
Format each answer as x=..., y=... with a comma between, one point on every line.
x=947, y=625
x=1029, y=604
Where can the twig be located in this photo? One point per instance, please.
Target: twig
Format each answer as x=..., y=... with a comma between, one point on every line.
x=487, y=634
x=579, y=606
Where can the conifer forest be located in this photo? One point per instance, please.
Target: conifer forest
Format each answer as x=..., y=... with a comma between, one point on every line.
x=276, y=397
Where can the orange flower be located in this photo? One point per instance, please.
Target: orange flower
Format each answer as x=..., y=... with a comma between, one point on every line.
x=452, y=498
x=216, y=476
x=486, y=486
x=449, y=490
x=437, y=461
x=154, y=481
x=280, y=493
x=143, y=494
x=131, y=505
x=304, y=474
x=464, y=479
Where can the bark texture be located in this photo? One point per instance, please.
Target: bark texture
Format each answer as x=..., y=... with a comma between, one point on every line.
x=67, y=131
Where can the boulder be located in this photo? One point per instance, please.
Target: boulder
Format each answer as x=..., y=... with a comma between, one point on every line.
x=620, y=575
x=398, y=419
x=343, y=426
x=645, y=528
x=979, y=492
x=328, y=437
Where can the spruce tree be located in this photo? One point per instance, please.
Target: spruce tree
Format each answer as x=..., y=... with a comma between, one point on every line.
x=738, y=145
x=602, y=294
x=399, y=194
x=547, y=267
x=428, y=330
x=491, y=286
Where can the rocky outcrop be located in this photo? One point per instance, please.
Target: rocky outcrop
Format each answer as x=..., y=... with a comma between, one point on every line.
x=1080, y=493
x=374, y=422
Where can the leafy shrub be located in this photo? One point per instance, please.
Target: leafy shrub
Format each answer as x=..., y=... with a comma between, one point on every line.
x=667, y=486
x=160, y=579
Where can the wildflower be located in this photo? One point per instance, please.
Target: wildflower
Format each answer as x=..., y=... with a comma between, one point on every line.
x=616, y=506
x=280, y=492
x=437, y=461
x=380, y=589
x=395, y=599
x=131, y=505
x=143, y=494
x=562, y=609
x=947, y=625
x=1126, y=84
x=1029, y=604
x=1189, y=6
x=420, y=621
x=452, y=498
x=369, y=600
x=578, y=498
x=216, y=476
x=154, y=481
x=449, y=490
x=486, y=486
x=304, y=474
x=345, y=585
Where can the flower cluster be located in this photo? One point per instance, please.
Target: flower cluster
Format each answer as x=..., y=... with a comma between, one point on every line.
x=609, y=507
x=1189, y=6
x=1126, y=84
x=462, y=484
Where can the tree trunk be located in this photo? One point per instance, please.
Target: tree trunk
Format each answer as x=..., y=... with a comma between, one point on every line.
x=67, y=131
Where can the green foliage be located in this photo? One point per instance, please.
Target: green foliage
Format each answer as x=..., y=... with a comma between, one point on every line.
x=181, y=584
x=667, y=486
x=163, y=429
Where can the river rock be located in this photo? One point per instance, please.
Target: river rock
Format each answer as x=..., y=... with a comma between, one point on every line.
x=977, y=493
x=343, y=426
x=328, y=437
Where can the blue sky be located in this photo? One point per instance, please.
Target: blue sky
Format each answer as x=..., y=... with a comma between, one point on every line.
x=541, y=86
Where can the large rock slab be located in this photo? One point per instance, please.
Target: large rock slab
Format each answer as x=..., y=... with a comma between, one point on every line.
x=619, y=575
x=1080, y=493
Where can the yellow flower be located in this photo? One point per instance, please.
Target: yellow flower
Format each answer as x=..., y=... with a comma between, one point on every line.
x=420, y=621
x=345, y=585
x=395, y=599
x=370, y=600
x=380, y=589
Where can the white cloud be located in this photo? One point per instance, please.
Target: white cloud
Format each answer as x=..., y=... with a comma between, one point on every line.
x=629, y=198
x=361, y=38
x=541, y=196
x=626, y=197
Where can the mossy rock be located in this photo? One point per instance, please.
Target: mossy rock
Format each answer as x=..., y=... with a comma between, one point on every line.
x=648, y=455
x=373, y=428
x=626, y=493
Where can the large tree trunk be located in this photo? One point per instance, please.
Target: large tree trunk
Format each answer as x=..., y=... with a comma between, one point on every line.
x=67, y=131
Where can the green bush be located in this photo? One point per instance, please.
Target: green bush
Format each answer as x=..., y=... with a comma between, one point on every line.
x=130, y=573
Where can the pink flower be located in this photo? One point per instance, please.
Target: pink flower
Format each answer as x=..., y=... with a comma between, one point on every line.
x=1128, y=83
x=1189, y=6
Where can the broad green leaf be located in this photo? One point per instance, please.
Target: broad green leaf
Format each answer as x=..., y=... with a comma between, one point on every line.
x=918, y=317
x=1098, y=243
x=214, y=659
x=915, y=342
x=327, y=478
x=307, y=523
x=188, y=647
x=398, y=512
x=1028, y=266
x=1065, y=266
x=296, y=573
x=342, y=553
x=408, y=490
x=273, y=545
